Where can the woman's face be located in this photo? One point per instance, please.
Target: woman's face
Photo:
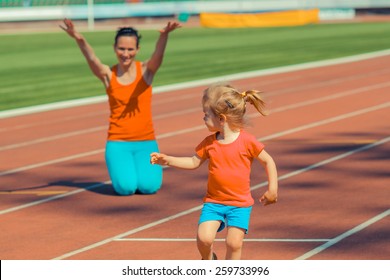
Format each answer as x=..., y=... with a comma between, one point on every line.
x=126, y=49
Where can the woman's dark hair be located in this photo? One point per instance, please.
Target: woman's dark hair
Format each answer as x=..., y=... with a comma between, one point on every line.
x=127, y=31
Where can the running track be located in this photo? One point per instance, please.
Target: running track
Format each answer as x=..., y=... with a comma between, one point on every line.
x=328, y=131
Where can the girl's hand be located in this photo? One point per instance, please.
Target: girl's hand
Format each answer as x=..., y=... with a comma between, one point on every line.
x=268, y=198
x=157, y=158
x=170, y=27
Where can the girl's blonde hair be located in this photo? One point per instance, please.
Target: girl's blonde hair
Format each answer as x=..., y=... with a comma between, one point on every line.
x=223, y=99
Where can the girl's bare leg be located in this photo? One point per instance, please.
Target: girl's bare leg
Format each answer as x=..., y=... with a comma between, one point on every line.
x=234, y=242
x=205, y=238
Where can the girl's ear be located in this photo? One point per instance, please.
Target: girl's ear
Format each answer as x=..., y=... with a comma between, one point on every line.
x=222, y=118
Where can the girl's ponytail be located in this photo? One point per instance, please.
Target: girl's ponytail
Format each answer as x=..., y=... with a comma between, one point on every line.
x=254, y=98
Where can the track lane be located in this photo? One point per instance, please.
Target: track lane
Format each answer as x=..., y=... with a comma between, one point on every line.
x=190, y=192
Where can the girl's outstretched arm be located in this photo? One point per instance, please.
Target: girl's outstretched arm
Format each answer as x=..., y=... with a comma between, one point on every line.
x=98, y=69
x=271, y=195
x=179, y=162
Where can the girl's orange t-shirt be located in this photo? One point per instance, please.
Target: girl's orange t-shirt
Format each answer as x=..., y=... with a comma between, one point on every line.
x=130, y=107
x=229, y=169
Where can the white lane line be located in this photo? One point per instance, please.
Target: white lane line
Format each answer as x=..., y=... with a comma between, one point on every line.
x=330, y=83
x=196, y=128
x=175, y=98
x=46, y=122
x=20, y=207
x=218, y=240
x=327, y=121
x=194, y=209
x=342, y=94
x=45, y=163
x=192, y=110
x=89, y=115
x=344, y=235
x=335, y=158
x=130, y=232
x=283, y=177
x=52, y=138
x=85, y=131
x=185, y=85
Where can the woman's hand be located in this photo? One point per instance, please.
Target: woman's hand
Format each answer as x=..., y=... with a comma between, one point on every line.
x=170, y=27
x=70, y=29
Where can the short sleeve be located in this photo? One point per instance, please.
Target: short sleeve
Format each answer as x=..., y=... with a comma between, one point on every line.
x=253, y=145
x=201, y=149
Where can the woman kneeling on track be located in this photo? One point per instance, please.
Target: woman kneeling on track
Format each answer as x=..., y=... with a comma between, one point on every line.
x=128, y=84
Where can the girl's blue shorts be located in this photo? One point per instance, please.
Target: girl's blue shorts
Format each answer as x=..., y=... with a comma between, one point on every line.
x=230, y=216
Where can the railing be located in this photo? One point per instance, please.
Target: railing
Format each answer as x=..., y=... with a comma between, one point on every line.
x=27, y=10
x=42, y=3
x=266, y=3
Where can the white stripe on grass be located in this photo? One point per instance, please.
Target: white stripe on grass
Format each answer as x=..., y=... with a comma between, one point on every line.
x=179, y=86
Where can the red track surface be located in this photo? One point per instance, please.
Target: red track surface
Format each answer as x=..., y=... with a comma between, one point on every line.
x=328, y=131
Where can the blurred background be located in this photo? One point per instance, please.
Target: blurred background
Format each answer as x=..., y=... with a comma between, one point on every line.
x=41, y=65
x=35, y=14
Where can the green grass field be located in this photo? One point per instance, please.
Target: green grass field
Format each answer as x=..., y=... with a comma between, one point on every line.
x=48, y=67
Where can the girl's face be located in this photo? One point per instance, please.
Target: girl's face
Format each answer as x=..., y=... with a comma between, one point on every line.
x=212, y=122
x=126, y=49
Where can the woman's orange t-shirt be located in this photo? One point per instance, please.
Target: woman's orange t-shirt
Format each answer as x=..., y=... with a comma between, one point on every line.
x=131, y=108
x=230, y=168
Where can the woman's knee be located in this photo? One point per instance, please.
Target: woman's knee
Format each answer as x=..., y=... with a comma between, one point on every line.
x=124, y=192
x=127, y=185
x=147, y=189
x=149, y=182
x=124, y=189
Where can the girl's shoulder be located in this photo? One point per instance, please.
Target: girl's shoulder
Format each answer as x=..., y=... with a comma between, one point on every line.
x=247, y=136
x=210, y=138
x=250, y=140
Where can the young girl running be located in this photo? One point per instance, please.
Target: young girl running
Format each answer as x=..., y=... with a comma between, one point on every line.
x=230, y=151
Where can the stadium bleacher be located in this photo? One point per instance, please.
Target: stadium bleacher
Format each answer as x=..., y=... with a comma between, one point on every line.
x=41, y=3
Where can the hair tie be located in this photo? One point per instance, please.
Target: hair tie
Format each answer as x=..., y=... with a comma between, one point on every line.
x=243, y=94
